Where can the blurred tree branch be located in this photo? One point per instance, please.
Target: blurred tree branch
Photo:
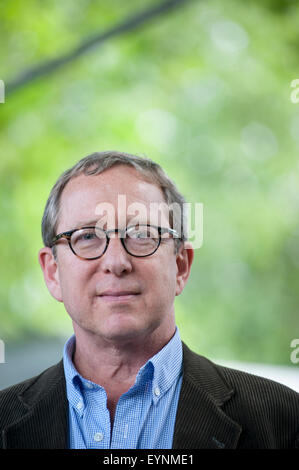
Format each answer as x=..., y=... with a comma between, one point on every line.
x=129, y=24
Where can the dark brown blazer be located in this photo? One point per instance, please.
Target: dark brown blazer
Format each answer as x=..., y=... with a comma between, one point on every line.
x=218, y=408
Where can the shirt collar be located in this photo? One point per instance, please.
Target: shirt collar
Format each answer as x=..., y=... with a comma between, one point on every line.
x=163, y=369
x=72, y=376
x=167, y=365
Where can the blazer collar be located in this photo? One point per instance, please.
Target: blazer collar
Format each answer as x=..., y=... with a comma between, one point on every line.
x=44, y=424
x=200, y=421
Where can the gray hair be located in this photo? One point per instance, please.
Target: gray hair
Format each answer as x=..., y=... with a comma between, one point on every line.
x=98, y=162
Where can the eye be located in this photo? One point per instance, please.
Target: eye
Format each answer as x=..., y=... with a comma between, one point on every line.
x=142, y=233
x=87, y=236
x=84, y=236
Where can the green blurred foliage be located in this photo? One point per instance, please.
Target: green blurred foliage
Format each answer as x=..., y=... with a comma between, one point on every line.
x=205, y=91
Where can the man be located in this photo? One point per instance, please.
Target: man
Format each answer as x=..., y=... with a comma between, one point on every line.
x=126, y=379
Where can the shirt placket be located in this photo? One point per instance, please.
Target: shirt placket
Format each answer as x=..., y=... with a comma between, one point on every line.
x=97, y=420
x=131, y=412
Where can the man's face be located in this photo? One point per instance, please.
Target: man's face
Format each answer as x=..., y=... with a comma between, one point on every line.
x=118, y=296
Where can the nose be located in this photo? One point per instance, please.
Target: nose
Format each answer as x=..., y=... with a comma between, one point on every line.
x=116, y=260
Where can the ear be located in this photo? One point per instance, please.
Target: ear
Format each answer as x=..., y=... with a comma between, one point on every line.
x=184, y=259
x=50, y=270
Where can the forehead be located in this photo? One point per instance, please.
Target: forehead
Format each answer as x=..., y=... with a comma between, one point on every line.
x=120, y=187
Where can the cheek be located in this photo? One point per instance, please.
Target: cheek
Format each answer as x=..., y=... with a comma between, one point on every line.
x=72, y=281
x=163, y=279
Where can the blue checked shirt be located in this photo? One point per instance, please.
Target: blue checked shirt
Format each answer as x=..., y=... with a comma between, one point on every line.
x=145, y=414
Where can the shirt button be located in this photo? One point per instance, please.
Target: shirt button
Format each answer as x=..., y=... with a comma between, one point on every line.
x=80, y=405
x=98, y=437
x=89, y=385
x=157, y=391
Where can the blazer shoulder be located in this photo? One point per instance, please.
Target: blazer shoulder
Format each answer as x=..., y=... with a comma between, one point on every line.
x=243, y=383
x=15, y=400
x=267, y=411
x=267, y=390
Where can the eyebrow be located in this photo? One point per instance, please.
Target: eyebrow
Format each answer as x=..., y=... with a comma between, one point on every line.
x=93, y=223
x=89, y=223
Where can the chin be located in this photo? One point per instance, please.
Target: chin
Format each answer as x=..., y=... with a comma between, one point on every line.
x=117, y=331
x=130, y=331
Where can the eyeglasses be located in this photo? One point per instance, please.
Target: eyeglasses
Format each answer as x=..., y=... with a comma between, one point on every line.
x=138, y=240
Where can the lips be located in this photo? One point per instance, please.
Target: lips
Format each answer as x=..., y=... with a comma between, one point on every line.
x=112, y=293
x=119, y=295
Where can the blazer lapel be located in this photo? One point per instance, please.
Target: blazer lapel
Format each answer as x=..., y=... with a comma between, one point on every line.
x=44, y=423
x=200, y=421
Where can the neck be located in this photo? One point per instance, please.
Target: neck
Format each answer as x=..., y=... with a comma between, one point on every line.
x=115, y=363
x=112, y=364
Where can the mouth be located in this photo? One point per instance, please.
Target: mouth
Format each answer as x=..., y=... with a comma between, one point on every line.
x=121, y=296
